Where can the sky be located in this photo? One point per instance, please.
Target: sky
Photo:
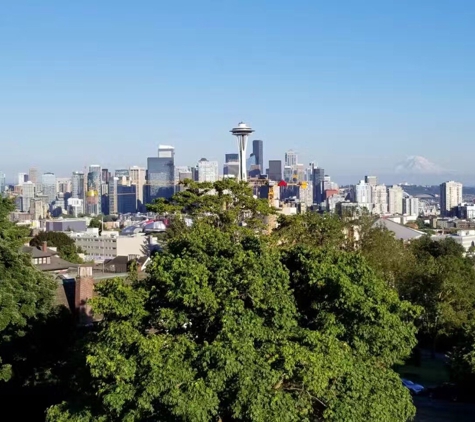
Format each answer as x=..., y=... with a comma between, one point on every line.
x=355, y=86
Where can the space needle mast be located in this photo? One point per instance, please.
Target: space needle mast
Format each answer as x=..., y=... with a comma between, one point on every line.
x=241, y=132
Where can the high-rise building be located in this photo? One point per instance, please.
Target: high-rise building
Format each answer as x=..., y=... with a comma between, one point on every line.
x=258, y=151
x=94, y=190
x=363, y=193
x=77, y=185
x=395, y=198
x=137, y=178
x=48, y=182
x=33, y=175
x=318, y=185
x=3, y=183
x=450, y=196
x=371, y=180
x=126, y=199
x=207, y=170
x=122, y=173
x=106, y=176
x=22, y=178
x=161, y=174
x=63, y=185
x=379, y=195
x=275, y=170
x=291, y=158
x=231, y=165
x=28, y=194
x=411, y=206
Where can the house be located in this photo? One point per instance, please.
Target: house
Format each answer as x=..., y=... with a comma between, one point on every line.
x=46, y=259
x=120, y=264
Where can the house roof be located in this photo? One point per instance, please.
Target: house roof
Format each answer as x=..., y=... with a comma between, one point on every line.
x=56, y=264
x=37, y=252
x=400, y=232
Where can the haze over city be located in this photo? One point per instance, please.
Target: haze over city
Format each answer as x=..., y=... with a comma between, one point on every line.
x=354, y=87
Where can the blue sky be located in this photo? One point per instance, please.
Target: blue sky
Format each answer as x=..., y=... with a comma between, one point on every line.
x=353, y=85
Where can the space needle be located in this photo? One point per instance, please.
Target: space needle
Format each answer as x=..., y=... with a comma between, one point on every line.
x=241, y=132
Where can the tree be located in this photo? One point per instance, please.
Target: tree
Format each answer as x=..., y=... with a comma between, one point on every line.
x=226, y=203
x=443, y=283
x=25, y=293
x=227, y=327
x=96, y=223
x=66, y=247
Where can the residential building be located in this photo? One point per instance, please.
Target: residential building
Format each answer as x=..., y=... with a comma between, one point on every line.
x=109, y=244
x=275, y=170
x=464, y=211
x=371, y=180
x=258, y=151
x=362, y=195
x=161, y=174
x=47, y=259
x=450, y=196
x=379, y=195
x=48, y=182
x=411, y=206
x=38, y=208
x=395, y=197
x=207, y=170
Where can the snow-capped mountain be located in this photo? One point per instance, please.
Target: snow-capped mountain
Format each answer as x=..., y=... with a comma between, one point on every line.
x=416, y=164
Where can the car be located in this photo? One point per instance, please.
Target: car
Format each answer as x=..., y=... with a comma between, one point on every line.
x=412, y=386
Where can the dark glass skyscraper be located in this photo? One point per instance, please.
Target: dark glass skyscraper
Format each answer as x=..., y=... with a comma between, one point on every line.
x=275, y=170
x=161, y=174
x=258, y=151
x=318, y=185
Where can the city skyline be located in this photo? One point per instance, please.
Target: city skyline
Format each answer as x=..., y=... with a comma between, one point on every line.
x=358, y=88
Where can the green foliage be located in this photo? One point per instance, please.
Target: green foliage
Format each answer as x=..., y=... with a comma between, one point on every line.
x=311, y=229
x=96, y=223
x=25, y=293
x=443, y=283
x=66, y=247
x=462, y=358
x=225, y=203
x=227, y=327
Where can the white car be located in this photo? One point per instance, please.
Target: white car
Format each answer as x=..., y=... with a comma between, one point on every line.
x=412, y=387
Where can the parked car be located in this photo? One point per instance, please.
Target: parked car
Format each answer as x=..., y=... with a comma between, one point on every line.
x=412, y=386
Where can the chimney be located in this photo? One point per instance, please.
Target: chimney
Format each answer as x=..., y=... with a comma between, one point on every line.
x=84, y=291
x=44, y=246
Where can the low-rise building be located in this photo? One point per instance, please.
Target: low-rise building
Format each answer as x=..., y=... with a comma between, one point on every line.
x=108, y=245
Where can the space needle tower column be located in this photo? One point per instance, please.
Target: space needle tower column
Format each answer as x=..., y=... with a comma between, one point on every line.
x=242, y=132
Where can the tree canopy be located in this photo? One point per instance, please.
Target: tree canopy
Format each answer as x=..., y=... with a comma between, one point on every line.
x=65, y=245
x=25, y=293
x=232, y=328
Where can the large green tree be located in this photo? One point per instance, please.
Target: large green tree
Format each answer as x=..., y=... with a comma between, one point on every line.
x=228, y=327
x=66, y=247
x=25, y=293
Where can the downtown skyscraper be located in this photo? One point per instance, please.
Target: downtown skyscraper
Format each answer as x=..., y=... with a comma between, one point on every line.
x=161, y=174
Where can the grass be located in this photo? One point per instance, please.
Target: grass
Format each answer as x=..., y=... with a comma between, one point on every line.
x=430, y=373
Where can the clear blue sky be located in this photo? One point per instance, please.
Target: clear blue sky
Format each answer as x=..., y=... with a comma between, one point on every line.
x=353, y=85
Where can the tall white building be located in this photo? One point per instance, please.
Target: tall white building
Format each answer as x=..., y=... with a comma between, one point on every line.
x=395, y=197
x=363, y=193
x=450, y=196
x=137, y=178
x=28, y=194
x=291, y=158
x=411, y=206
x=207, y=170
x=379, y=194
x=48, y=181
x=22, y=177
